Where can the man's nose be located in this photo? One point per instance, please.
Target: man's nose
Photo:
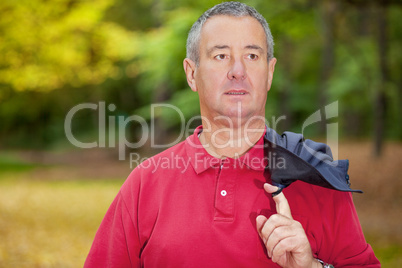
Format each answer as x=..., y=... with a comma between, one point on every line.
x=237, y=70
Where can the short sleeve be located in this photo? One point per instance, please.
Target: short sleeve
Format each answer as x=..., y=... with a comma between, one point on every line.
x=116, y=243
x=343, y=243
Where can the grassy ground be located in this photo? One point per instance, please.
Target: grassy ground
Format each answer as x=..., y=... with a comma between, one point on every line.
x=50, y=211
x=50, y=224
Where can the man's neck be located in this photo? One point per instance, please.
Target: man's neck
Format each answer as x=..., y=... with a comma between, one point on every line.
x=223, y=141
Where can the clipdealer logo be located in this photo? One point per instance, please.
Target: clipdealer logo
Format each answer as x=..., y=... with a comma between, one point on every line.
x=112, y=129
x=117, y=133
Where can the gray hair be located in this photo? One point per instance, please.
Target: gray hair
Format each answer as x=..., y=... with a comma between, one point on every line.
x=234, y=9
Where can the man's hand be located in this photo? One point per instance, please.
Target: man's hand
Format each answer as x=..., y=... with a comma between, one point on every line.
x=285, y=239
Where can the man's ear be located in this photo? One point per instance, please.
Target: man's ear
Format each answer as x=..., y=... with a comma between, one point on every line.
x=271, y=69
x=189, y=69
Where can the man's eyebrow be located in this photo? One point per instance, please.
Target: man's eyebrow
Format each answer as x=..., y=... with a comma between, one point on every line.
x=256, y=47
x=217, y=47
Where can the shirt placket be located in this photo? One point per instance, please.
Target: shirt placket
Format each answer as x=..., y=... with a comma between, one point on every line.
x=225, y=192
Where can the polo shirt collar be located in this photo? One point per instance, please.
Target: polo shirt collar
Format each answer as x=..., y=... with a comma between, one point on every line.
x=201, y=160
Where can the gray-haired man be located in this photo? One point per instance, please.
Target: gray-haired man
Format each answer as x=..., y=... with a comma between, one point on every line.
x=214, y=212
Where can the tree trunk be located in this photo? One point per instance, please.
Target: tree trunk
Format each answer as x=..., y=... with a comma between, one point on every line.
x=284, y=93
x=380, y=96
x=329, y=8
x=161, y=132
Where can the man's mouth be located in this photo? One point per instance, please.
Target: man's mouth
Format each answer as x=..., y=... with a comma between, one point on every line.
x=235, y=93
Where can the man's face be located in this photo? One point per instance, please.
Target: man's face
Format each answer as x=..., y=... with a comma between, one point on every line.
x=233, y=76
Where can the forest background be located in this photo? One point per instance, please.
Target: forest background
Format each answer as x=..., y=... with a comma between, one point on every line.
x=127, y=55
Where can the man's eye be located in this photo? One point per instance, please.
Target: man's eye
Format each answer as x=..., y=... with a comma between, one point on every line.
x=252, y=56
x=220, y=57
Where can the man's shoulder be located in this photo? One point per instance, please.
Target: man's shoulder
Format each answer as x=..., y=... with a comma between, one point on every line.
x=160, y=169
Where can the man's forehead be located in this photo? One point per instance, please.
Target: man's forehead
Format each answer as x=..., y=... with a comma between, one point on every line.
x=245, y=30
x=227, y=20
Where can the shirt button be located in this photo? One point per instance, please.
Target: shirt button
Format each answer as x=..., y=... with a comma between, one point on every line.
x=223, y=193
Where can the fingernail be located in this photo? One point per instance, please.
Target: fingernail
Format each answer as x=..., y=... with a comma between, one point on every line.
x=277, y=192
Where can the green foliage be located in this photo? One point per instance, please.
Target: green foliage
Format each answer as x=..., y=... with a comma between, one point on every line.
x=162, y=53
x=11, y=163
x=55, y=55
x=45, y=46
x=162, y=77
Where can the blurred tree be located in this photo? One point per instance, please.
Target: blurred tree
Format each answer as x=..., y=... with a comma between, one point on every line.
x=47, y=45
x=329, y=9
x=162, y=76
x=367, y=69
x=381, y=101
x=55, y=46
x=55, y=55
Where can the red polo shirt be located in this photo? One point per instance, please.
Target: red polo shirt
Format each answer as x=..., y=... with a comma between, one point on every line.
x=185, y=208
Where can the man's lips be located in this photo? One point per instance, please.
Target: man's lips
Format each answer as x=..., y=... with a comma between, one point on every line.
x=236, y=92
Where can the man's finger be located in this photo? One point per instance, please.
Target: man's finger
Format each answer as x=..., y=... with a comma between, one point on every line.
x=260, y=222
x=282, y=205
